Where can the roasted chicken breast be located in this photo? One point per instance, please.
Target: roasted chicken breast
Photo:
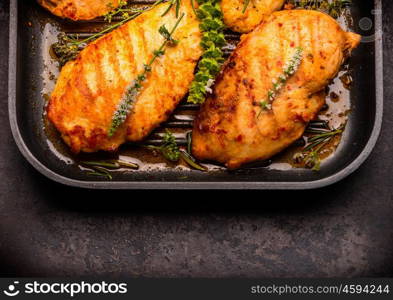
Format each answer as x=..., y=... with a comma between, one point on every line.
x=232, y=127
x=90, y=88
x=256, y=11
x=79, y=9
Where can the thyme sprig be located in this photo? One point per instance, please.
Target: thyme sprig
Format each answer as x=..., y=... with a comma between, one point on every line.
x=289, y=69
x=101, y=172
x=334, y=8
x=126, y=104
x=187, y=157
x=310, y=155
x=187, y=154
x=68, y=48
x=172, y=3
x=212, y=27
x=101, y=168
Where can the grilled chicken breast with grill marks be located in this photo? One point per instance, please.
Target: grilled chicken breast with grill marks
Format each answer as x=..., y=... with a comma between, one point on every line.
x=79, y=9
x=256, y=11
x=232, y=10
x=231, y=127
x=90, y=88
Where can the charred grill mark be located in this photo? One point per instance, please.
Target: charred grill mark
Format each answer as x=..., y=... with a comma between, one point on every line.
x=297, y=34
x=114, y=61
x=81, y=84
x=129, y=48
x=310, y=57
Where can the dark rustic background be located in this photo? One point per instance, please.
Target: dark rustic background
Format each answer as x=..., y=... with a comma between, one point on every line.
x=344, y=230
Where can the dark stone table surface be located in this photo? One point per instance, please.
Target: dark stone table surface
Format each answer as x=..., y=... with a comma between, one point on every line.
x=344, y=230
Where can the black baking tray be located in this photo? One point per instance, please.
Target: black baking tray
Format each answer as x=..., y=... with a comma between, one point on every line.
x=26, y=107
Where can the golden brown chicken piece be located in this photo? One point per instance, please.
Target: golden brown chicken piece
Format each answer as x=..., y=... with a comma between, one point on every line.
x=79, y=9
x=90, y=88
x=232, y=127
x=256, y=11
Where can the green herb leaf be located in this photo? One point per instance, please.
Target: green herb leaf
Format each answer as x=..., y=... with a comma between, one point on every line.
x=212, y=25
x=169, y=148
x=310, y=154
x=164, y=32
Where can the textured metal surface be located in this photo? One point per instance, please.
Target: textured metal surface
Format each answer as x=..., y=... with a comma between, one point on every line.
x=26, y=109
x=343, y=230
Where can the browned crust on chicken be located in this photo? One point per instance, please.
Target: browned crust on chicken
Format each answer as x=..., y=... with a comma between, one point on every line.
x=79, y=9
x=256, y=12
x=228, y=128
x=90, y=88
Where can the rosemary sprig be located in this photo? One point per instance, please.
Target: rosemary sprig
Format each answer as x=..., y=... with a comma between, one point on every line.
x=310, y=155
x=104, y=164
x=127, y=102
x=111, y=164
x=187, y=155
x=212, y=26
x=100, y=172
x=171, y=4
x=189, y=141
x=289, y=69
x=67, y=48
x=100, y=168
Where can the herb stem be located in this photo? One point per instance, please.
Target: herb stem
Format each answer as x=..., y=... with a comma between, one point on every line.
x=193, y=7
x=310, y=154
x=324, y=135
x=110, y=28
x=100, y=171
x=246, y=3
x=171, y=3
x=167, y=40
x=127, y=164
x=191, y=162
x=289, y=69
x=105, y=164
x=126, y=104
